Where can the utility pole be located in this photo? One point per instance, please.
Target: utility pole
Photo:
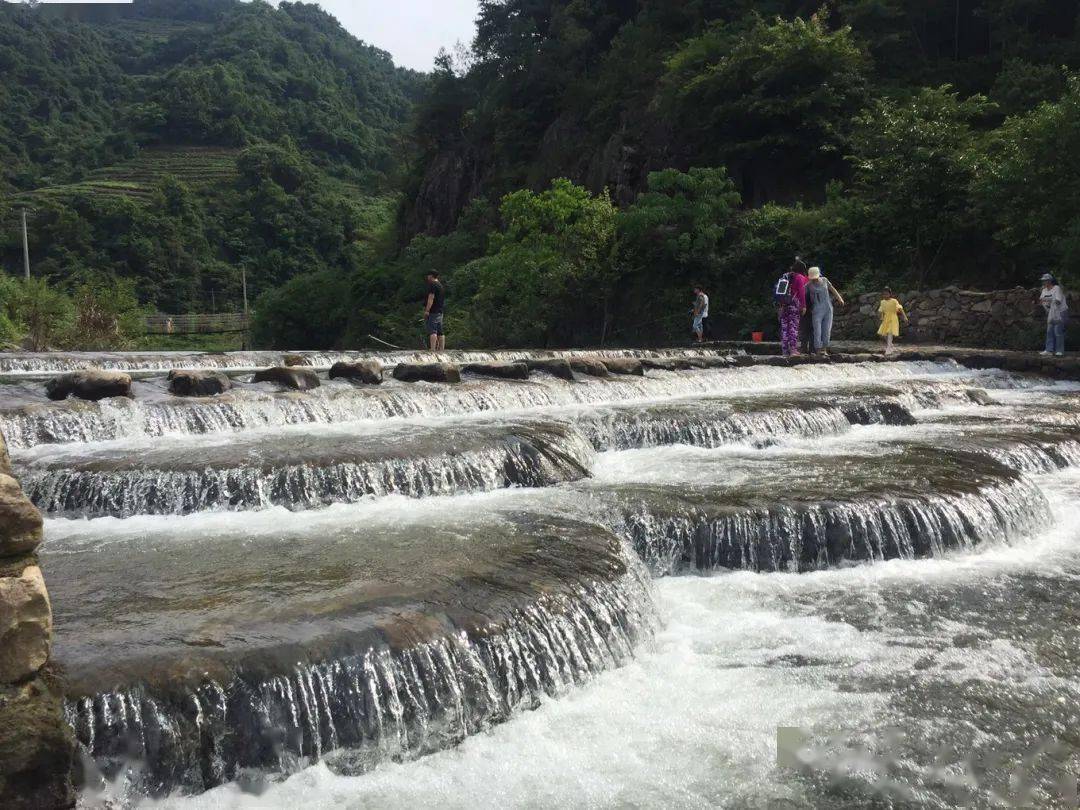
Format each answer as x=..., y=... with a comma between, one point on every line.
x=243, y=287
x=25, y=248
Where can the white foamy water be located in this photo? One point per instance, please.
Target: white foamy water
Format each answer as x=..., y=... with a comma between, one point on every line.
x=975, y=643
x=692, y=721
x=251, y=408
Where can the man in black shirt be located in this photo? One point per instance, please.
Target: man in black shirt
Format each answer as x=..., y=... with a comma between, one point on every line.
x=433, y=311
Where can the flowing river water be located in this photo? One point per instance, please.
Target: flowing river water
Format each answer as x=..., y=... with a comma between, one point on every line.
x=605, y=592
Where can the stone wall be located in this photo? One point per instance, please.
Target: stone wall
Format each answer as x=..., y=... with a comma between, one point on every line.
x=36, y=748
x=1008, y=319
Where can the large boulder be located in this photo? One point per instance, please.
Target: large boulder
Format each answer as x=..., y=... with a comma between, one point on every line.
x=588, y=365
x=37, y=750
x=295, y=360
x=504, y=371
x=556, y=366
x=427, y=372
x=20, y=521
x=25, y=625
x=624, y=365
x=184, y=383
x=297, y=378
x=365, y=371
x=92, y=384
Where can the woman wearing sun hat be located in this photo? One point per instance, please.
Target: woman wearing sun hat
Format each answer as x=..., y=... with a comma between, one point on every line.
x=819, y=297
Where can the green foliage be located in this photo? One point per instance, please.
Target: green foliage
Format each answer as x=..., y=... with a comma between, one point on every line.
x=670, y=238
x=569, y=177
x=912, y=165
x=548, y=276
x=308, y=311
x=773, y=101
x=9, y=294
x=102, y=312
x=107, y=314
x=241, y=138
x=40, y=314
x=1027, y=185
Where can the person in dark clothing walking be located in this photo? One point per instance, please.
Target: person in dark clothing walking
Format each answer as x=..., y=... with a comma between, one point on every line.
x=433, y=311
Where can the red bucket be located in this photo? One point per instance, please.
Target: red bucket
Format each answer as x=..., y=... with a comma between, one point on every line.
x=757, y=337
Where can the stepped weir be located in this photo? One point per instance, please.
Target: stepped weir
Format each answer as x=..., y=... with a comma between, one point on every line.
x=331, y=577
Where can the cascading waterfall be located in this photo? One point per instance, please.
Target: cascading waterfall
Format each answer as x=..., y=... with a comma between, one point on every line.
x=247, y=409
x=533, y=459
x=380, y=702
x=1039, y=457
x=15, y=363
x=357, y=627
x=807, y=537
x=627, y=429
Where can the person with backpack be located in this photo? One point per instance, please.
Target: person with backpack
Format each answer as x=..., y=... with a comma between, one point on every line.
x=1053, y=300
x=790, y=298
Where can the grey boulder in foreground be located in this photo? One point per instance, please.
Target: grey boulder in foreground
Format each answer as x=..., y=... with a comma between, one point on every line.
x=624, y=365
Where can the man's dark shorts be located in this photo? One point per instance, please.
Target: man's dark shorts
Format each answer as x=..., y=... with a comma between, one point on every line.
x=433, y=323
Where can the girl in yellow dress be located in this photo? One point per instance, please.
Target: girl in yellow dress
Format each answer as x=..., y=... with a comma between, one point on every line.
x=889, y=309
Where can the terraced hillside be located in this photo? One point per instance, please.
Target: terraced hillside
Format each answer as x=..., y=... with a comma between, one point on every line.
x=198, y=167
x=281, y=126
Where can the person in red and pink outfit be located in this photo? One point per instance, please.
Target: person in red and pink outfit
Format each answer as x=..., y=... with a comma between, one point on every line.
x=791, y=313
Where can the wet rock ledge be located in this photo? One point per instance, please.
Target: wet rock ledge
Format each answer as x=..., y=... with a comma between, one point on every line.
x=36, y=747
x=1060, y=368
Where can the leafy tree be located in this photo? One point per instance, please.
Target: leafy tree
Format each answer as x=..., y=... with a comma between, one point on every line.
x=548, y=276
x=309, y=311
x=9, y=295
x=772, y=102
x=1027, y=186
x=670, y=238
x=910, y=161
x=41, y=314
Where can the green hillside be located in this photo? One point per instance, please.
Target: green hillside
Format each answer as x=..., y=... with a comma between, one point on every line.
x=571, y=175
x=174, y=143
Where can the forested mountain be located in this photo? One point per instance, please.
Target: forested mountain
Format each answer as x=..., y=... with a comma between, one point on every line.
x=175, y=141
x=571, y=174
x=907, y=142
x=604, y=91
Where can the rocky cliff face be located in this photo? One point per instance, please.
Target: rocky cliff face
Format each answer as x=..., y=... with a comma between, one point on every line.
x=36, y=749
x=1002, y=318
x=452, y=180
x=619, y=161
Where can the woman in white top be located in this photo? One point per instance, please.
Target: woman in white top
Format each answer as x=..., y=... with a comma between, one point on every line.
x=1053, y=301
